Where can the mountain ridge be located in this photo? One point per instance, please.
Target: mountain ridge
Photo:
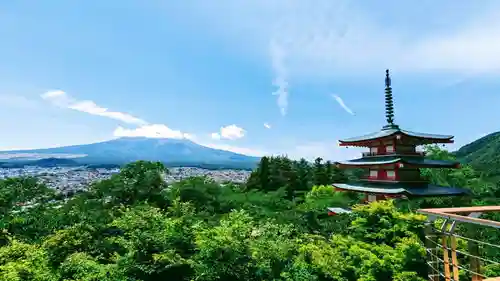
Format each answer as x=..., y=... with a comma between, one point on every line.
x=129, y=149
x=483, y=155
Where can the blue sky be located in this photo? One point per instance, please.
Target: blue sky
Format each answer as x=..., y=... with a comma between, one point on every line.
x=256, y=76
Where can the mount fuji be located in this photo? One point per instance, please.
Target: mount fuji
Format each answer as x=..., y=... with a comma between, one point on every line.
x=171, y=152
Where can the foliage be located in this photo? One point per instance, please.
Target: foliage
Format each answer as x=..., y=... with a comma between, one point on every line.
x=16, y=192
x=24, y=262
x=136, y=227
x=483, y=155
x=296, y=177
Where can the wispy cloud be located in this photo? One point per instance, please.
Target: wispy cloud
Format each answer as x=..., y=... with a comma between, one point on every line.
x=342, y=104
x=267, y=126
x=215, y=136
x=152, y=131
x=280, y=81
x=230, y=132
x=62, y=99
x=332, y=37
x=145, y=129
x=235, y=149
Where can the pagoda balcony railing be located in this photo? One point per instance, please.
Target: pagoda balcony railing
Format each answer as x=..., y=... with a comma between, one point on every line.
x=414, y=153
x=392, y=179
x=457, y=244
x=376, y=178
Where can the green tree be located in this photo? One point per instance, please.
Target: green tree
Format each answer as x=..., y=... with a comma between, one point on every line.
x=84, y=267
x=24, y=262
x=17, y=193
x=260, y=178
x=136, y=227
x=137, y=182
x=263, y=173
x=319, y=172
x=155, y=246
x=304, y=174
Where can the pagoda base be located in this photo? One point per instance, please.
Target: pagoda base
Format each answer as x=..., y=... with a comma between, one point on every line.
x=398, y=188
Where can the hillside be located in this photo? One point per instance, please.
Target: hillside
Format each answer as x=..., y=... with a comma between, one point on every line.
x=137, y=227
x=483, y=154
x=53, y=162
x=126, y=150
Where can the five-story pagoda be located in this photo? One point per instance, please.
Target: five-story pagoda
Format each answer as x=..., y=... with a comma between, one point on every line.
x=393, y=163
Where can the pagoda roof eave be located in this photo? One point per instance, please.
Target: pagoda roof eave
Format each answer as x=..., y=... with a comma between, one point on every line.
x=420, y=190
x=385, y=133
x=338, y=210
x=388, y=160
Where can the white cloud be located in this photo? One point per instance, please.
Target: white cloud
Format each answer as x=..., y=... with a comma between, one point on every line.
x=62, y=99
x=58, y=98
x=280, y=81
x=236, y=149
x=151, y=131
x=330, y=38
x=91, y=108
x=53, y=94
x=268, y=126
x=144, y=129
x=302, y=42
x=473, y=48
x=162, y=131
x=230, y=132
x=342, y=104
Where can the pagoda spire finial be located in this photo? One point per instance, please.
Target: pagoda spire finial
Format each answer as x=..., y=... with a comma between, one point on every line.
x=389, y=105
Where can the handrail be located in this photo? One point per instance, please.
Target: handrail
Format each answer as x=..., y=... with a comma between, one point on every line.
x=443, y=241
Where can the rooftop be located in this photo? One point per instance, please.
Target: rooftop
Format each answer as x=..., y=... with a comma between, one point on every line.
x=431, y=138
x=409, y=189
x=391, y=129
x=392, y=159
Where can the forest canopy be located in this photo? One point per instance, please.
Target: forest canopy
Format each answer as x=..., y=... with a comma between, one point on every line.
x=135, y=226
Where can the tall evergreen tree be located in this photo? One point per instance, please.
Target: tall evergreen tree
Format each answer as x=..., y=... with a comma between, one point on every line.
x=334, y=173
x=329, y=172
x=338, y=175
x=319, y=171
x=264, y=173
x=275, y=181
x=285, y=170
x=304, y=174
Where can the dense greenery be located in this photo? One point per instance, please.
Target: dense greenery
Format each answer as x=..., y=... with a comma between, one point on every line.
x=295, y=177
x=484, y=155
x=134, y=226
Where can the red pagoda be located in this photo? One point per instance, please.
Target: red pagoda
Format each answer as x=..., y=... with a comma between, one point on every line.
x=393, y=163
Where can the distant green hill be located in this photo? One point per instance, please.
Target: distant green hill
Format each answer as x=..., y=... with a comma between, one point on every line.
x=53, y=162
x=483, y=155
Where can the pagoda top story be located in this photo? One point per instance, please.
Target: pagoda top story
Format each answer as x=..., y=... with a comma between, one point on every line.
x=393, y=164
x=391, y=129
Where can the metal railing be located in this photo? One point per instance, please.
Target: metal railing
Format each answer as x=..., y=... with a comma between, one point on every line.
x=461, y=246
